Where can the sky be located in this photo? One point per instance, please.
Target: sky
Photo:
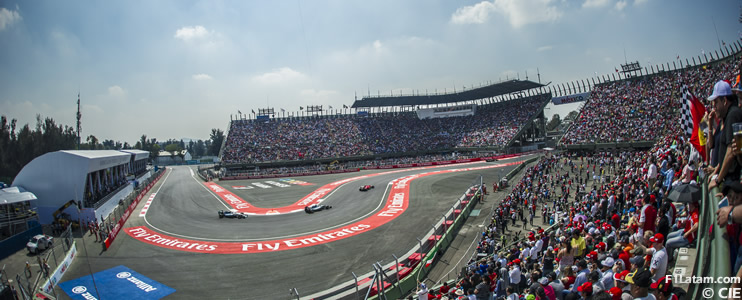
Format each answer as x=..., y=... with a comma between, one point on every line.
x=177, y=69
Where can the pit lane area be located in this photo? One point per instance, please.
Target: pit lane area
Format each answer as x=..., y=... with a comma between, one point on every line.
x=185, y=208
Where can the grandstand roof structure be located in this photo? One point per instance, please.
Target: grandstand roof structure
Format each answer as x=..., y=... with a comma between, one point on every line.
x=58, y=177
x=492, y=90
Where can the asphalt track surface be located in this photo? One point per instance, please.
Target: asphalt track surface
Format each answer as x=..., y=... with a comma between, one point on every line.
x=185, y=208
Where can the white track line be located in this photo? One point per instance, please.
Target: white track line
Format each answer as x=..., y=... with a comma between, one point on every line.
x=383, y=200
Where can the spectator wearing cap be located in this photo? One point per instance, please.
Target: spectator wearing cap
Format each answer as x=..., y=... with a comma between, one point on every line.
x=637, y=262
x=658, y=265
x=640, y=281
x=586, y=290
x=607, y=269
x=725, y=106
x=662, y=289
x=422, y=291
x=615, y=293
x=547, y=288
x=619, y=280
x=515, y=274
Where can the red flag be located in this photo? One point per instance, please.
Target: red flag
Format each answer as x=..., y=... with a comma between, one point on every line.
x=427, y=263
x=697, y=139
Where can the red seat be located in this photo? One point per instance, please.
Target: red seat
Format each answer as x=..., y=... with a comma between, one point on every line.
x=384, y=285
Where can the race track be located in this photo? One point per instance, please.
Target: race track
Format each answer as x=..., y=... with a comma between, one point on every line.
x=185, y=209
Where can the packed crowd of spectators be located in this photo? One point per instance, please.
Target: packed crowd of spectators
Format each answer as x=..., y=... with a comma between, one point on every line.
x=614, y=236
x=351, y=165
x=251, y=141
x=614, y=226
x=642, y=109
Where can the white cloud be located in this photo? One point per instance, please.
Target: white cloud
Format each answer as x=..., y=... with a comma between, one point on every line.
x=544, y=48
x=595, y=3
x=201, y=77
x=475, y=14
x=278, y=76
x=189, y=33
x=9, y=17
x=620, y=5
x=116, y=91
x=640, y=2
x=377, y=45
x=518, y=12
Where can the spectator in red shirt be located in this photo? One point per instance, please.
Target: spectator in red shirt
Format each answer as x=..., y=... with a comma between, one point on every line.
x=685, y=236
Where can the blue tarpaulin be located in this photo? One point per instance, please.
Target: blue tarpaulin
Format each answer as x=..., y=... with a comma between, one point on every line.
x=117, y=283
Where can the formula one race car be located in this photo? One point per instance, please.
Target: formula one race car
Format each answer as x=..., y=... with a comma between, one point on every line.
x=364, y=188
x=231, y=215
x=315, y=208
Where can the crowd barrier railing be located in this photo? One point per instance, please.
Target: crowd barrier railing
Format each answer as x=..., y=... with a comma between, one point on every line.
x=409, y=282
x=132, y=206
x=713, y=257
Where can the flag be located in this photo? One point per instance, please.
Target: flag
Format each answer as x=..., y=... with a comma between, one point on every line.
x=239, y=112
x=345, y=106
x=301, y=107
x=283, y=110
x=686, y=118
x=330, y=106
x=253, y=111
x=693, y=111
x=427, y=263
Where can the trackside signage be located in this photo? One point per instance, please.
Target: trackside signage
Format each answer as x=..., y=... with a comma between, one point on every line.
x=571, y=98
x=396, y=203
x=118, y=283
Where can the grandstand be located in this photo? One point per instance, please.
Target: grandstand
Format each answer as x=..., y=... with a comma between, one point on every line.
x=490, y=118
x=621, y=115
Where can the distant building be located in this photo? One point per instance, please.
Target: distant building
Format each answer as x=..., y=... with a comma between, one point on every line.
x=165, y=158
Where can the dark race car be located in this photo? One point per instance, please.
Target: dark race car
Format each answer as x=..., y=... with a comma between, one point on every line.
x=364, y=188
x=231, y=215
x=315, y=208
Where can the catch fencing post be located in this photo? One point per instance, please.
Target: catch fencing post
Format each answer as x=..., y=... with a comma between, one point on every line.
x=356, y=279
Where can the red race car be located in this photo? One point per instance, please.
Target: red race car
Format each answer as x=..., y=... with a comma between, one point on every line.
x=364, y=188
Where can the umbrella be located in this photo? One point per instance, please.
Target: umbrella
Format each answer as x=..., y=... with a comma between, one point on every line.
x=685, y=193
x=578, y=217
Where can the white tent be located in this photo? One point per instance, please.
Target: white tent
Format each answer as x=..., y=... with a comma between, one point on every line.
x=58, y=177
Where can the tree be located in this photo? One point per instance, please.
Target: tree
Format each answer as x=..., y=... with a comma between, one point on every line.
x=154, y=151
x=92, y=142
x=173, y=149
x=143, y=143
x=199, y=149
x=217, y=137
x=555, y=121
x=572, y=115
